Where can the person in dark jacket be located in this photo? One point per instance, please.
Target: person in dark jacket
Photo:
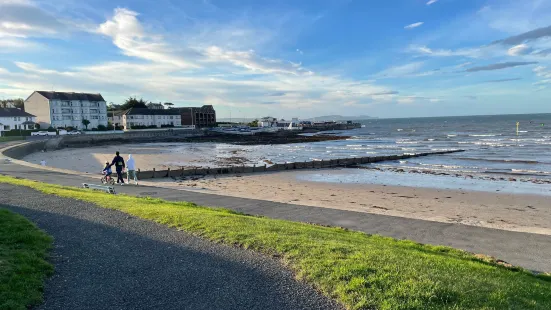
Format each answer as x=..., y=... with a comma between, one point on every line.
x=118, y=162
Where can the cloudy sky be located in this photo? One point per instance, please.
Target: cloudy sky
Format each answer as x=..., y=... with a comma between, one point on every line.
x=394, y=58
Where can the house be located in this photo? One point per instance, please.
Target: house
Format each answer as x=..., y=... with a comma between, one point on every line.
x=12, y=118
x=142, y=117
x=67, y=109
x=204, y=116
x=155, y=106
x=115, y=118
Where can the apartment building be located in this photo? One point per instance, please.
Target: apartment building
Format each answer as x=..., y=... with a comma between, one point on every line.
x=12, y=118
x=150, y=117
x=67, y=109
x=204, y=116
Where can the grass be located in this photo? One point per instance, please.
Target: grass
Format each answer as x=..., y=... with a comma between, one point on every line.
x=6, y=139
x=23, y=265
x=359, y=270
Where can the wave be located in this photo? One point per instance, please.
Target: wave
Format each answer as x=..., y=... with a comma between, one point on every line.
x=487, y=135
x=512, y=161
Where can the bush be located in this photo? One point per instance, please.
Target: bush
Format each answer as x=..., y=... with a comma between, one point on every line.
x=94, y=129
x=101, y=128
x=18, y=133
x=167, y=126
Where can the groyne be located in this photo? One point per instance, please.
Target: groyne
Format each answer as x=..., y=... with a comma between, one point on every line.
x=318, y=164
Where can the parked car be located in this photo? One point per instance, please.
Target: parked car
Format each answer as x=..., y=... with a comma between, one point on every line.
x=39, y=133
x=74, y=132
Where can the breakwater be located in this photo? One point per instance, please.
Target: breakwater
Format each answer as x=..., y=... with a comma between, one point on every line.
x=333, y=163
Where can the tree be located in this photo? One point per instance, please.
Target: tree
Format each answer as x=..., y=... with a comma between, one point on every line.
x=132, y=102
x=113, y=107
x=19, y=103
x=169, y=104
x=85, y=122
x=13, y=103
x=253, y=123
x=37, y=126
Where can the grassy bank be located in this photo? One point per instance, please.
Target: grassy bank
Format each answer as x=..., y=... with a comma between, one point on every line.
x=23, y=249
x=361, y=271
x=7, y=139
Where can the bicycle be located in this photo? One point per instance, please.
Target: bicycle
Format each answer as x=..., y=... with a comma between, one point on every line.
x=107, y=179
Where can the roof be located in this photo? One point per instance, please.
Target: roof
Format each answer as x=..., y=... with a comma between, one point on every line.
x=145, y=111
x=11, y=112
x=54, y=95
x=205, y=107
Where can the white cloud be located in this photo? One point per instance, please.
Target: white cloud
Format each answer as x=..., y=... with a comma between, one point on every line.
x=519, y=50
x=465, y=52
x=431, y=2
x=401, y=71
x=128, y=34
x=253, y=62
x=300, y=51
x=414, y=25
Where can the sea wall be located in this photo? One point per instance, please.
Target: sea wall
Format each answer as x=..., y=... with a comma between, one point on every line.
x=46, y=144
x=333, y=163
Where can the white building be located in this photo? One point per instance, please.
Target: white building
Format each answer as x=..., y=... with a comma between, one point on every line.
x=62, y=109
x=12, y=118
x=150, y=117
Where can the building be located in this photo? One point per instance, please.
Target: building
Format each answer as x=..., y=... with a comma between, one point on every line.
x=155, y=106
x=204, y=116
x=12, y=118
x=115, y=118
x=141, y=117
x=64, y=109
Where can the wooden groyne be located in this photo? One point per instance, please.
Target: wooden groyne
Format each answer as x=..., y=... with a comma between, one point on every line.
x=318, y=164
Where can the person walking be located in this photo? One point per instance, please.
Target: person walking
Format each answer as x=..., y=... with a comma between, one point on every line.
x=118, y=162
x=131, y=170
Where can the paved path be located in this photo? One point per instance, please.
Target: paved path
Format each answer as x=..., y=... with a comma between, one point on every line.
x=531, y=251
x=105, y=259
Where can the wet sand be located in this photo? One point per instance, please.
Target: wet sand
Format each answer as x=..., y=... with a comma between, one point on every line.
x=515, y=212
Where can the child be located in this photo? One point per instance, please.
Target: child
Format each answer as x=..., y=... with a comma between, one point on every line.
x=107, y=171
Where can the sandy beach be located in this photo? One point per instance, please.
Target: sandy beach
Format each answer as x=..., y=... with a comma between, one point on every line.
x=524, y=213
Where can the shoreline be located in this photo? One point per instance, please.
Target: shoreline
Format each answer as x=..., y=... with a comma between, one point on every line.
x=449, y=199
x=514, y=212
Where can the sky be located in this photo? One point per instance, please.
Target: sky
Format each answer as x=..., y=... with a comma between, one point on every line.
x=249, y=58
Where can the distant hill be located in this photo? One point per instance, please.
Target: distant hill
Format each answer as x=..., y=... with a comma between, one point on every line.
x=340, y=118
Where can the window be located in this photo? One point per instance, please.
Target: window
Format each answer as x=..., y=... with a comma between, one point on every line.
x=6, y=127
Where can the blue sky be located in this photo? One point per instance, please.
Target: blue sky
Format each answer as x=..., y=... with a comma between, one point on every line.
x=394, y=58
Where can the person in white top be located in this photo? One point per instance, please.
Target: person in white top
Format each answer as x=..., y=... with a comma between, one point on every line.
x=131, y=170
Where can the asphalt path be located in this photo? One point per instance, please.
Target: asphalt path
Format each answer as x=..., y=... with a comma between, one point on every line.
x=106, y=259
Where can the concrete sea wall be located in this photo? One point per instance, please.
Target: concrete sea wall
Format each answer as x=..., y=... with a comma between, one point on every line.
x=59, y=142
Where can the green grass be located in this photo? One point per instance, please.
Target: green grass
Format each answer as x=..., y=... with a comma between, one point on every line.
x=359, y=270
x=7, y=139
x=23, y=265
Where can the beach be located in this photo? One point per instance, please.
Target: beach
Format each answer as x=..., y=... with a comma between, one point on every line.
x=515, y=212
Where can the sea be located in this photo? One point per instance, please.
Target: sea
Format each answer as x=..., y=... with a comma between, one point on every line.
x=492, y=144
x=497, y=155
x=495, y=149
